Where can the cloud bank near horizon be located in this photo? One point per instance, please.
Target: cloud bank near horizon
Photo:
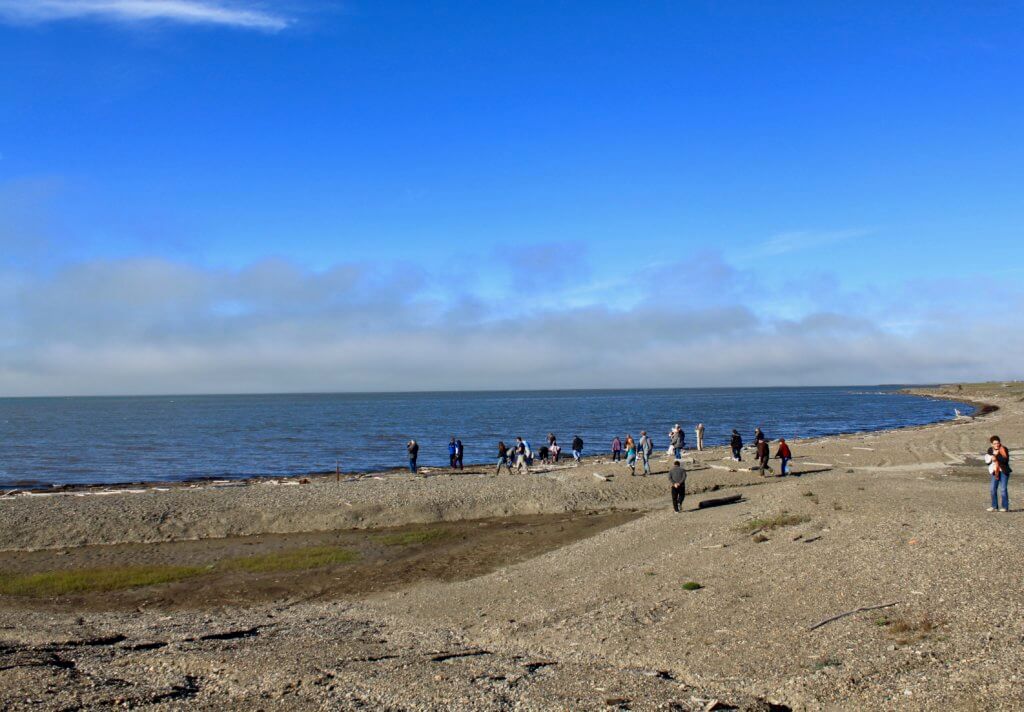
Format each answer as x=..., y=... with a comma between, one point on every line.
x=153, y=325
x=195, y=12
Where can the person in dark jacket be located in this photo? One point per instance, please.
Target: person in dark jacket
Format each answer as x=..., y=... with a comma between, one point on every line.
x=502, y=458
x=413, y=448
x=577, y=449
x=998, y=460
x=763, y=453
x=785, y=455
x=677, y=476
x=458, y=454
x=736, y=443
x=758, y=434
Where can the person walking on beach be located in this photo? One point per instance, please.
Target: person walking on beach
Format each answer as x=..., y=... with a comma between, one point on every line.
x=458, y=453
x=452, y=450
x=998, y=460
x=616, y=449
x=577, y=448
x=521, y=465
x=646, y=449
x=553, y=452
x=763, y=453
x=676, y=438
x=736, y=443
x=413, y=449
x=502, y=458
x=785, y=455
x=677, y=476
x=758, y=434
x=528, y=451
x=631, y=455
x=700, y=436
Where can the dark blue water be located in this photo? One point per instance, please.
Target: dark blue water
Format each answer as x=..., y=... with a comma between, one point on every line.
x=125, y=439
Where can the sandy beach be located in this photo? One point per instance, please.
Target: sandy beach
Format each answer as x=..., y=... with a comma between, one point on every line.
x=571, y=588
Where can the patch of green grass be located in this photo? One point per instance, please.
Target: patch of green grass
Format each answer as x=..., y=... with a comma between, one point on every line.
x=692, y=586
x=779, y=520
x=311, y=557
x=114, y=578
x=423, y=536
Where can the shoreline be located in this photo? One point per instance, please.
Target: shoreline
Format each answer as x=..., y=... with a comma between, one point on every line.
x=161, y=512
x=100, y=488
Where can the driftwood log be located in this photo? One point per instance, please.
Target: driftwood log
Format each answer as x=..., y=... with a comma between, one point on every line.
x=719, y=501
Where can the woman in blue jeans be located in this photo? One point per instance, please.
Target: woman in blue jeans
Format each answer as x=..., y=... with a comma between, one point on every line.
x=998, y=460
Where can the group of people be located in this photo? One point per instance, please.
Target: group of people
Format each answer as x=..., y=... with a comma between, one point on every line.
x=520, y=456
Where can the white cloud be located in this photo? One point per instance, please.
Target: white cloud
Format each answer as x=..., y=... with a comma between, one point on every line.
x=211, y=12
x=150, y=325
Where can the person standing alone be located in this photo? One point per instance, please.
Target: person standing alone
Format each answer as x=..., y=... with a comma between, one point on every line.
x=785, y=455
x=616, y=449
x=763, y=453
x=413, y=448
x=998, y=460
x=677, y=476
x=577, y=449
x=700, y=436
x=736, y=443
x=646, y=449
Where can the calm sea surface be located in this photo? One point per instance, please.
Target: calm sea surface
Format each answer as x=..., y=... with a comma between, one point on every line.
x=163, y=438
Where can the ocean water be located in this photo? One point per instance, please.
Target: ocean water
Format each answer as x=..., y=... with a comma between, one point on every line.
x=46, y=441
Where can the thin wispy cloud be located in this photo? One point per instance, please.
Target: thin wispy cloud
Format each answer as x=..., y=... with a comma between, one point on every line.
x=196, y=12
x=798, y=240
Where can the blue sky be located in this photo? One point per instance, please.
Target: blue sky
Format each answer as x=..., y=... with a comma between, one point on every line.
x=307, y=195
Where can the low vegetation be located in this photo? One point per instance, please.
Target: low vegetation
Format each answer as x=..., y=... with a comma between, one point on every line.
x=910, y=628
x=692, y=586
x=422, y=536
x=312, y=557
x=63, y=583
x=779, y=520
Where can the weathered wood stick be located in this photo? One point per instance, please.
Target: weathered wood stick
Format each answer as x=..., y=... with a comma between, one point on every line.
x=850, y=613
x=719, y=501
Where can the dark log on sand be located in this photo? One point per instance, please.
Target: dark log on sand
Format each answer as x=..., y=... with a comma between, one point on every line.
x=719, y=501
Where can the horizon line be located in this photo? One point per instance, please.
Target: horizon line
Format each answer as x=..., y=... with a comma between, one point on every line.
x=489, y=390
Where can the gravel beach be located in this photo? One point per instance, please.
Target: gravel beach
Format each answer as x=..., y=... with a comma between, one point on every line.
x=713, y=608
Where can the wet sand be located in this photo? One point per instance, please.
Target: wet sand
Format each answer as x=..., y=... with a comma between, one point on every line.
x=382, y=560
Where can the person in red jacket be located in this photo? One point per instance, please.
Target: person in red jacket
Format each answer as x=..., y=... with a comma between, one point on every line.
x=784, y=454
